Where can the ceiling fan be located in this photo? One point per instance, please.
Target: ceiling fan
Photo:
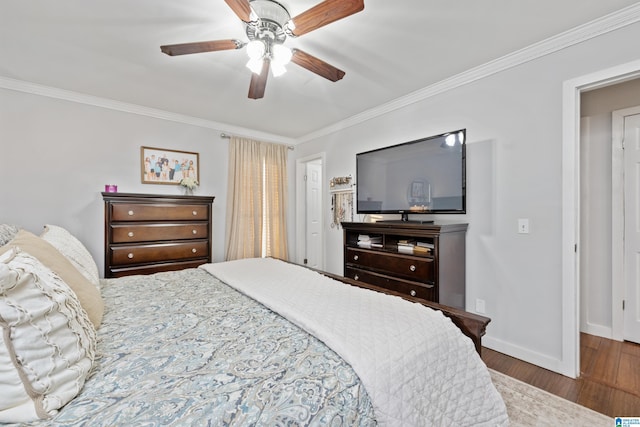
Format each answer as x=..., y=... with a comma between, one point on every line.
x=268, y=24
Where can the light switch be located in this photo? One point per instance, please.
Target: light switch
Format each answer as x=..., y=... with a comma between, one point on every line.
x=523, y=225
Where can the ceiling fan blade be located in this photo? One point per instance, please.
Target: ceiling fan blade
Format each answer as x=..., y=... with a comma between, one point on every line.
x=324, y=13
x=198, y=47
x=316, y=65
x=241, y=8
x=259, y=82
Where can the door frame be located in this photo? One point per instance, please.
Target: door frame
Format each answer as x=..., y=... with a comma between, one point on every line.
x=570, y=361
x=617, y=220
x=301, y=208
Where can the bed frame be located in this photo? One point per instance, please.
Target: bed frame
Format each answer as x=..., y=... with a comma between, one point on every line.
x=472, y=325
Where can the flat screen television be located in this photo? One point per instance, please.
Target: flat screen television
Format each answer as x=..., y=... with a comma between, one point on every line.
x=425, y=176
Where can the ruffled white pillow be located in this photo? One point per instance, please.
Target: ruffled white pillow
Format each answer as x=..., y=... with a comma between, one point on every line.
x=47, y=344
x=74, y=250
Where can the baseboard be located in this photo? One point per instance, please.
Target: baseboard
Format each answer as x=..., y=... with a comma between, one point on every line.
x=597, y=330
x=533, y=357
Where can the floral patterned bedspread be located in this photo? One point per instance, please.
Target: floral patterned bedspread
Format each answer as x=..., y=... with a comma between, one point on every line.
x=183, y=349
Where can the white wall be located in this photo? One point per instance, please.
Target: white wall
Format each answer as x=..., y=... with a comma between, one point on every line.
x=57, y=155
x=514, y=170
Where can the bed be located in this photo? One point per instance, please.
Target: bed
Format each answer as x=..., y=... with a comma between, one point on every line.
x=250, y=342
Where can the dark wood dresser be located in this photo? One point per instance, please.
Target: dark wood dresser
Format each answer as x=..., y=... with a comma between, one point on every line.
x=390, y=260
x=148, y=233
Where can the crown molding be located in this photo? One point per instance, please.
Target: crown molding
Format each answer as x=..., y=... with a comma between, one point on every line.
x=616, y=20
x=67, y=95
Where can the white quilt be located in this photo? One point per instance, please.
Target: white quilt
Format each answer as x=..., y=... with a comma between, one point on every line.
x=415, y=364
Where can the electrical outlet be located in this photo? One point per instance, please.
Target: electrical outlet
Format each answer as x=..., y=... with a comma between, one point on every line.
x=523, y=225
x=480, y=306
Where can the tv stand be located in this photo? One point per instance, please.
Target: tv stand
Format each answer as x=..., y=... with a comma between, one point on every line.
x=436, y=274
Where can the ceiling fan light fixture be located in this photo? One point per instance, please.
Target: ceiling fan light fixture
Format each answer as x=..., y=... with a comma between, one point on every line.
x=255, y=65
x=256, y=49
x=278, y=69
x=281, y=54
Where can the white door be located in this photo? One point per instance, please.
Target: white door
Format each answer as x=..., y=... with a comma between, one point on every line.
x=632, y=227
x=313, y=204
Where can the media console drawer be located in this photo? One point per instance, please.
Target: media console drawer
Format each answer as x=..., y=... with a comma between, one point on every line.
x=412, y=268
x=413, y=289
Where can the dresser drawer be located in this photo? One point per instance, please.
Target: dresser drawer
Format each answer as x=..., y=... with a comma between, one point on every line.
x=156, y=212
x=131, y=233
x=137, y=254
x=407, y=267
x=418, y=290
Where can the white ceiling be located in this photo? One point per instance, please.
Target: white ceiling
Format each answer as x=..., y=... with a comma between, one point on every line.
x=110, y=49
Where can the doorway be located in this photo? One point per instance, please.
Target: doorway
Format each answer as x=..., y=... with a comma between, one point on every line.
x=626, y=224
x=310, y=211
x=571, y=238
x=603, y=209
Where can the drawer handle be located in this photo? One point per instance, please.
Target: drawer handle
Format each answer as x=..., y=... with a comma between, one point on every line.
x=130, y=255
x=356, y=277
x=412, y=268
x=194, y=250
x=130, y=234
x=194, y=213
x=194, y=231
x=130, y=213
x=355, y=257
x=413, y=293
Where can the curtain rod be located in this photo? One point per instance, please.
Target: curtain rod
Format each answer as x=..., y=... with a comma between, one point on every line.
x=225, y=136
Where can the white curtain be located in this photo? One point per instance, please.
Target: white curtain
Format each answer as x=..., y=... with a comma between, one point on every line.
x=275, y=200
x=256, y=200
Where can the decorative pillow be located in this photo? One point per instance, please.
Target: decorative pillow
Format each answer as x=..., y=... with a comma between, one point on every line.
x=74, y=250
x=47, y=343
x=7, y=232
x=88, y=295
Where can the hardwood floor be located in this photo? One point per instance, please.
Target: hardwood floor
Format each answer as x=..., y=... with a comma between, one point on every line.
x=609, y=381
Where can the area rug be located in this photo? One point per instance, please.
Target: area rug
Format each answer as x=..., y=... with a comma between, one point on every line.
x=531, y=406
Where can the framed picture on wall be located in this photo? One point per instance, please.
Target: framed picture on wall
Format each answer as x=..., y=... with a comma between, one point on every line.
x=164, y=166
